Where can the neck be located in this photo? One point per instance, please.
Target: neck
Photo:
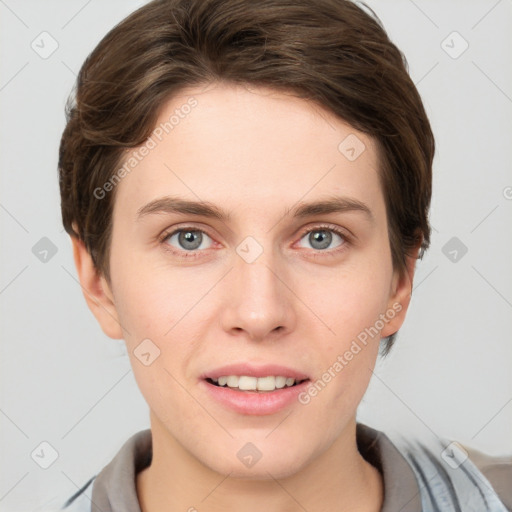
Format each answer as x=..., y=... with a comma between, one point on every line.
x=339, y=479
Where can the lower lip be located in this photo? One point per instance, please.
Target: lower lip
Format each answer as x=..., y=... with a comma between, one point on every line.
x=253, y=402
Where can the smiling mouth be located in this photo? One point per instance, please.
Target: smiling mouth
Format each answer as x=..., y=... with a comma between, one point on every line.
x=254, y=384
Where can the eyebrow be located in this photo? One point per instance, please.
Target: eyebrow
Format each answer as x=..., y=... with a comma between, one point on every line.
x=332, y=204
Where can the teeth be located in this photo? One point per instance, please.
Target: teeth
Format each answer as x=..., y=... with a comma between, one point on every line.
x=280, y=382
x=246, y=383
x=232, y=381
x=265, y=384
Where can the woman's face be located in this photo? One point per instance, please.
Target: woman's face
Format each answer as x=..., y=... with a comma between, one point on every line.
x=270, y=288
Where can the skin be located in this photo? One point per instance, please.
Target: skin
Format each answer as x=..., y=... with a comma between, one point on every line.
x=254, y=152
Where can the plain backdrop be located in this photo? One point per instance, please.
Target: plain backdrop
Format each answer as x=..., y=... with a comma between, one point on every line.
x=66, y=385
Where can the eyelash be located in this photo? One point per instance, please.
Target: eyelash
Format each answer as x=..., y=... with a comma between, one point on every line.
x=316, y=253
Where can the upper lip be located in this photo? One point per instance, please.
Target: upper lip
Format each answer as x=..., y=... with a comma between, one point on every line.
x=252, y=370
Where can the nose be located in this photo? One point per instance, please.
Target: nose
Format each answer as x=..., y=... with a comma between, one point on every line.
x=259, y=302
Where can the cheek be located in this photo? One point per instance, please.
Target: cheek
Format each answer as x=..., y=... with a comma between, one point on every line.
x=350, y=300
x=350, y=303
x=161, y=312
x=152, y=299
x=157, y=314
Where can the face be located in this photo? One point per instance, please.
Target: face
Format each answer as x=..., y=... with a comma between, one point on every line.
x=265, y=287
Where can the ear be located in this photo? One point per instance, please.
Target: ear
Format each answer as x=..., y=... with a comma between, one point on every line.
x=400, y=293
x=96, y=290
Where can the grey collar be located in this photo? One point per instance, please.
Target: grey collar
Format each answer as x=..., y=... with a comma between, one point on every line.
x=114, y=488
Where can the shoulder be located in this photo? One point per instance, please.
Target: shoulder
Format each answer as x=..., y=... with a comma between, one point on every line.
x=498, y=470
x=452, y=476
x=114, y=487
x=80, y=501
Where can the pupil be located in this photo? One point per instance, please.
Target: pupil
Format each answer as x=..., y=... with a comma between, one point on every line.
x=323, y=238
x=190, y=239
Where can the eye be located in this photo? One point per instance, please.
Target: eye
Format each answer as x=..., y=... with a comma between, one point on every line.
x=322, y=237
x=187, y=239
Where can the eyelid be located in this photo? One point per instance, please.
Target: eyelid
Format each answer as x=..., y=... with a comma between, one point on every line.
x=166, y=233
x=336, y=251
x=344, y=233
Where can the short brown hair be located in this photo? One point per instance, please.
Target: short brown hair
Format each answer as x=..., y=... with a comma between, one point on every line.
x=329, y=51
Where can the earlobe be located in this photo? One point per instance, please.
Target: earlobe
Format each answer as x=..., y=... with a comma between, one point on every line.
x=96, y=290
x=400, y=296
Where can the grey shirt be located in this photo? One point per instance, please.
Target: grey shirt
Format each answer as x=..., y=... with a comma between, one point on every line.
x=408, y=485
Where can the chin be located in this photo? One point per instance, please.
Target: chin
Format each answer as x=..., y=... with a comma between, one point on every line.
x=277, y=466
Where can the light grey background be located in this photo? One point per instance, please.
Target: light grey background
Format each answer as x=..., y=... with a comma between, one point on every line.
x=65, y=383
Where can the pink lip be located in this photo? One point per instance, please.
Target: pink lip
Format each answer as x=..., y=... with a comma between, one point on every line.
x=252, y=370
x=253, y=402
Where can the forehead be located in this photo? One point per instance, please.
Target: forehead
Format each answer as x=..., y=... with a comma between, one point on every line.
x=251, y=147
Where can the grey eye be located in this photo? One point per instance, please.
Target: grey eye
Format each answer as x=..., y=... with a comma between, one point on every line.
x=320, y=239
x=188, y=239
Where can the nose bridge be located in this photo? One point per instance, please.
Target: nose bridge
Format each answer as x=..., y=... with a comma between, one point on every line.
x=260, y=301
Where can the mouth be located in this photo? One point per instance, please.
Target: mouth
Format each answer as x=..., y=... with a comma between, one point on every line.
x=251, y=384
x=254, y=389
